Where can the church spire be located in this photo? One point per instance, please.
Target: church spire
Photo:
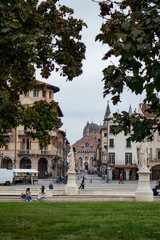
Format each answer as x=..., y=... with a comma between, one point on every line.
x=108, y=111
x=87, y=129
x=130, y=110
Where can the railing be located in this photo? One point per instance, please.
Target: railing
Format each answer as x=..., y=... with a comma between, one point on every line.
x=23, y=151
x=35, y=152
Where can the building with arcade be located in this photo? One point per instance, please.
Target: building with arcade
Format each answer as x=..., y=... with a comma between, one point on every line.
x=21, y=151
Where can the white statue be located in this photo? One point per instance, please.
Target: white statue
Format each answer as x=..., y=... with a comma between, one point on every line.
x=70, y=160
x=143, y=155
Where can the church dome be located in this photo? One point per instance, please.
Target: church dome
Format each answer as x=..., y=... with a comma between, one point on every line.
x=92, y=127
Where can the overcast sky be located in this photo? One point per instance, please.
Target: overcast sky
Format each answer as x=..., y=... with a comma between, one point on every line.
x=82, y=99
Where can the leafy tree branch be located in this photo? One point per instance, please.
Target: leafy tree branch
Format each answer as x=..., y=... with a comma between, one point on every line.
x=34, y=34
x=131, y=29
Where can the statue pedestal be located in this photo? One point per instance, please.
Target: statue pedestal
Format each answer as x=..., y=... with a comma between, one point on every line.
x=71, y=187
x=144, y=192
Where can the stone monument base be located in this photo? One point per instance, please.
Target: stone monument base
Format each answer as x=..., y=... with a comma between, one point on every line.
x=144, y=192
x=71, y=188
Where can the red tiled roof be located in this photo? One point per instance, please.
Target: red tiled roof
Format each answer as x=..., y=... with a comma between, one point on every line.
x=54, y=88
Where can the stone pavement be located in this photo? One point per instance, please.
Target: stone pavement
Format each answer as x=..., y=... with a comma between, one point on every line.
x=95, y=191
x=92, y=182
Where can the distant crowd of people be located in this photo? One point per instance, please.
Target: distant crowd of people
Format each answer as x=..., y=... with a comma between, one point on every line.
x=59, y=178
x=48, y=175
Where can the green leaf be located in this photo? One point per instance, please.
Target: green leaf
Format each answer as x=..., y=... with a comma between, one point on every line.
x=125, y=26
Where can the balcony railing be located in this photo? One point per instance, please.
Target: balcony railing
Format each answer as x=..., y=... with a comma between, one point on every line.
x=35, y=152
x=23, y=151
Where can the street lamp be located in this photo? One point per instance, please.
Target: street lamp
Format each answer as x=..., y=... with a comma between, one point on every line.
x=15, y=150
x=65, y=155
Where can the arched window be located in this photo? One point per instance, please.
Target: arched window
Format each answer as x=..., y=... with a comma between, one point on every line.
x=80, y=162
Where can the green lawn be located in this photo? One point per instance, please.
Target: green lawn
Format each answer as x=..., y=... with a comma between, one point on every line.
x=79, y=221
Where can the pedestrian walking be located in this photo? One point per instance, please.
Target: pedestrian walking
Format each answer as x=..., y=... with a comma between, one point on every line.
x=121, y=179
x=82, y=183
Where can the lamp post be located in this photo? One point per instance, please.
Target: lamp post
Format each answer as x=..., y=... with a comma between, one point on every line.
x=107, y=148
x=65, y=155
x=106, y=156
x=15, y=149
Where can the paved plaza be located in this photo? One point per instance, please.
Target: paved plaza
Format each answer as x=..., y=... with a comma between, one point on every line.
x=92, y=182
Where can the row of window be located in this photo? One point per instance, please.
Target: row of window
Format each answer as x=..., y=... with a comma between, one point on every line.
x=128, y=158
x=111, y=143
x=85, y=151
x=111, y=131
x=87, y=145
x=25, y=144
x=80, y=160
x=36, y=94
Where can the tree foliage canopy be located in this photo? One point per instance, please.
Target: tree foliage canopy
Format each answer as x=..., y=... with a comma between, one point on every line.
x=35, y=34
x=131, y=29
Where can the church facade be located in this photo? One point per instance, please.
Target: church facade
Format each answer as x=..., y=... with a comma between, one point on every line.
x=86, y=148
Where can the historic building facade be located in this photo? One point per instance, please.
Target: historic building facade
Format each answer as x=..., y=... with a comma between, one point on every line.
x=21, y=151
x=86, y=148
x=117, y=154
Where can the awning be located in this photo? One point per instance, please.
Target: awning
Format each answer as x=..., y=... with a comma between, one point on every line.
x=25, y=170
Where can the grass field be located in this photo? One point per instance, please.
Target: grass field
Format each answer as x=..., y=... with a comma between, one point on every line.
x=69, y=221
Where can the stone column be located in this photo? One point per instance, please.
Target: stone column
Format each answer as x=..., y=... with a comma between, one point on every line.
x=127, y=173
x=144, y=192
x=71, y=188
